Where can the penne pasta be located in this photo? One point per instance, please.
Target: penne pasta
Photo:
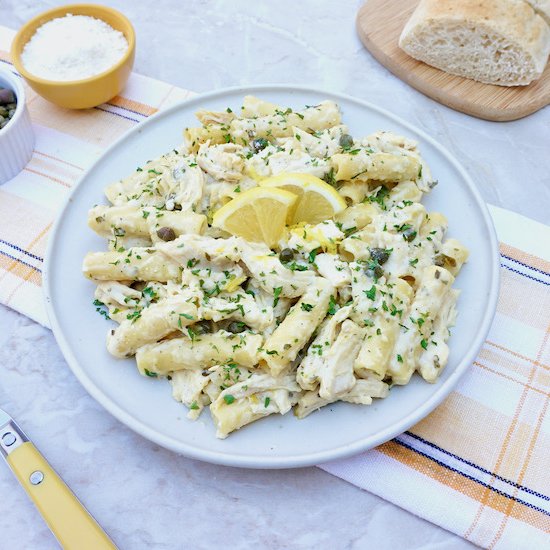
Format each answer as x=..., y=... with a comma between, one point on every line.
x=344, y=302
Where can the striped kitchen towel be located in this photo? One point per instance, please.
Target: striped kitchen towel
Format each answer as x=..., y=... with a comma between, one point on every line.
x=479, y=465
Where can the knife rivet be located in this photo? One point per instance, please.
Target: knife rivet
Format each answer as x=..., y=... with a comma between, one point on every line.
x=8, y=439
x=36, y=477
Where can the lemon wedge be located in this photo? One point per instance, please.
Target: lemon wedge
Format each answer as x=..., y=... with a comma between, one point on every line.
x=317, y=200
x=259, y=214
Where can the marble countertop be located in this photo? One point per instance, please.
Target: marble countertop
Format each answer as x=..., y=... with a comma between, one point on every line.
x=143, y=495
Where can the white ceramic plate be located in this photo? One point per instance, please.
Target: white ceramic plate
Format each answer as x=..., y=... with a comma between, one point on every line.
x=146, y=406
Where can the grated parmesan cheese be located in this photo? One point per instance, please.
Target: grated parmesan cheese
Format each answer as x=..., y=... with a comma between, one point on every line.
x=72, y=48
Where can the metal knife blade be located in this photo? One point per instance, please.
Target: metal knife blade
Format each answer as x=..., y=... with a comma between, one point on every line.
x=11, y=435
x=4, y=418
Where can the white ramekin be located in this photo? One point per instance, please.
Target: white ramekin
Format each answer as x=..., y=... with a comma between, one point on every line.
x=17, y=137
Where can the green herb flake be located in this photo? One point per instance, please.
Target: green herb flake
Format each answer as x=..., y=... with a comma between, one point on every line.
x=332, y=306
x=187, y=316
x=329, y=177
x=228, y=399
x=371, y=293
x=312, y=255
x=133, y=316
x=276, y=293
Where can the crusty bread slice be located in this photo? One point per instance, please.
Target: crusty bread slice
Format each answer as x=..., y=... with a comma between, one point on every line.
x=542, y=7
x=500, y=42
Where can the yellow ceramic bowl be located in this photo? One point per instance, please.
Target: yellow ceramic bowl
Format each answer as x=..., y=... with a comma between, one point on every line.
x=88, y=92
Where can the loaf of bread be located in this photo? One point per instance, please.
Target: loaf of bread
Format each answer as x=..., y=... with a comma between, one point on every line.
x=500, y=42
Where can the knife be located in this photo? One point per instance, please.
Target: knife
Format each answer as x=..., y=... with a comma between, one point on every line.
x=69, y=521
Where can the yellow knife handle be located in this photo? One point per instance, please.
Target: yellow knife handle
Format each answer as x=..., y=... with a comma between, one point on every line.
x=70, y=522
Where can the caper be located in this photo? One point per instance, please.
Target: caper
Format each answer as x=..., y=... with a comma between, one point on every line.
x=259, y=144
x=6, y=96
x=4, y=122
x=346, y=141
x=166, y=234
x=286, y=255
x=409, y=234
x=375, y=272
x=3, y=111
x=11, y=112
x=202, y=327
x=379, y=255
x=236, y=327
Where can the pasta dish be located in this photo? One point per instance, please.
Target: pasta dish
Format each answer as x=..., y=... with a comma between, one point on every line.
x=274, y=262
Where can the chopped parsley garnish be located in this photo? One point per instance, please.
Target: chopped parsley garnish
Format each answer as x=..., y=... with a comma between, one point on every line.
x=150, y=374
x=394, y=311
x=134, y=316
x=307, y=307
x=380, y=197
x=149, y=293
x=424, y=343
x=276, y=293
x=266, y=402
x=329, y=177
x=371, y=293
x=312, y=255
x=99, y=308
x=228, y=399
x=187, y=316
x=332, y=306
x=293, y=266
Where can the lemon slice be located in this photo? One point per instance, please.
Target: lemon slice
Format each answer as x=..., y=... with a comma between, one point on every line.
x=259, y=214
x=317, y=200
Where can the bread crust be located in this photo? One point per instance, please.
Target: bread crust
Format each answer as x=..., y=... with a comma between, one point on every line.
x=513, y=20
x=542, y=7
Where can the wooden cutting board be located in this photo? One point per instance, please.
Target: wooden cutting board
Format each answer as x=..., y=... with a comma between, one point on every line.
x=379, y=24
